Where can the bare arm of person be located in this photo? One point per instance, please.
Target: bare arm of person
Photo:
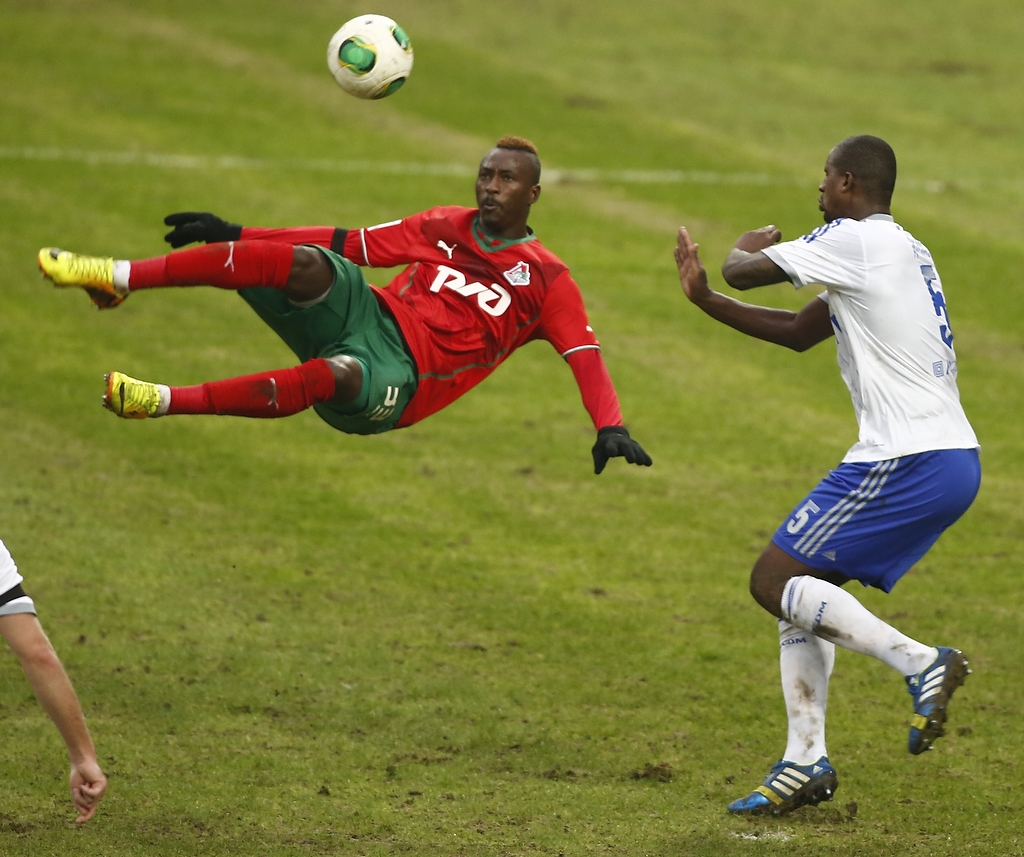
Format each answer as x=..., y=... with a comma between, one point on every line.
x=746, y=267
x=53, y=689
x=796, y=330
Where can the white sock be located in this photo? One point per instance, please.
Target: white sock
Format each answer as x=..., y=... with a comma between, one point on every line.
x=165, y=400
x=122, y=272
x=835, y=615
x=805, y=662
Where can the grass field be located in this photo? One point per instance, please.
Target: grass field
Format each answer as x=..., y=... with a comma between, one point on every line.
x=455, y=639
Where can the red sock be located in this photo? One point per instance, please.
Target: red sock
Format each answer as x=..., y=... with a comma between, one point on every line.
x=232, y=265
x=279, y=393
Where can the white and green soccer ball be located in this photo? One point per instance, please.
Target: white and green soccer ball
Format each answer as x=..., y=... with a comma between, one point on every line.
x=370, y=57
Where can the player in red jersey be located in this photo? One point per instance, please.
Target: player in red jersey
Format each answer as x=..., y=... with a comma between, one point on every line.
x=478, y=285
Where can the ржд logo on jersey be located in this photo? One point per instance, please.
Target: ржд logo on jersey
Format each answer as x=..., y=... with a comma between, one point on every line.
x=493, y=299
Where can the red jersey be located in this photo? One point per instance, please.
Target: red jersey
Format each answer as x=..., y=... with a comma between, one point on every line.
x=467, y=300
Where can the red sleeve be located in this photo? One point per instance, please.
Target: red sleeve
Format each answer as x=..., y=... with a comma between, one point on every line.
x=563, y=318
x=386, y=245
x=563, y=323
x=596, y=388
x=322, y=236
x=355, y=247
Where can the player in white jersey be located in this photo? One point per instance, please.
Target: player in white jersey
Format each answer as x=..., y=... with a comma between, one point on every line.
x=913, y=471
x=23, y=633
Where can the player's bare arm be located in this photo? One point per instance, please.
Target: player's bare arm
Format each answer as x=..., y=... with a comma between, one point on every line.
x=796, y=330
x=53, y=689
x=746, y=267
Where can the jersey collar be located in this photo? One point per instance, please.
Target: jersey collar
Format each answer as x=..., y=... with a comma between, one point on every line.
x=490, y=244
x=880, y=216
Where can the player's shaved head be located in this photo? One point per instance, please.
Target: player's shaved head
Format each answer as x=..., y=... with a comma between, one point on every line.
x=872, y=162
x=521, y=144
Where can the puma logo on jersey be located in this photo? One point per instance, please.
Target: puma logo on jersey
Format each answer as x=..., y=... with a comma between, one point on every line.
x=449, y=250
x=492, y=299
x=518, y=275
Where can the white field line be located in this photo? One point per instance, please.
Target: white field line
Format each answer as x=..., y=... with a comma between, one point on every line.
x=235, y=162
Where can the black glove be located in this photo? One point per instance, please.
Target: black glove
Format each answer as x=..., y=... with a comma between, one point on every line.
x=613, y=441
x=192, y=226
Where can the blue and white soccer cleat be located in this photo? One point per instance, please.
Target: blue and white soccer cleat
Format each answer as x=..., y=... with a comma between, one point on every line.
x=789, y=786
x=931, y=689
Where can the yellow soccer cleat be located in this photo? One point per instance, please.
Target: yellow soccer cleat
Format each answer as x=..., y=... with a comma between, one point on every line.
x=95, y=274
x=131, y=398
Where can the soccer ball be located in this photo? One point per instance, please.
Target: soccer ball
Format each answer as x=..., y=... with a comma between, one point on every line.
x=370, y=57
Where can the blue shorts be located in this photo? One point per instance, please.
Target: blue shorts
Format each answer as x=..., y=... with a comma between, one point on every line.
x=872, y=521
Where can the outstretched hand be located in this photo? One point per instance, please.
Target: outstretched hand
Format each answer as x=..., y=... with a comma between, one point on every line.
x=88, y=785
x=192, y=226
x=613, y=441
x=692, y=276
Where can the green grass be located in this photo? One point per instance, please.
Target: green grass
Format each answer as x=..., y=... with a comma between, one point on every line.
x=454, y=639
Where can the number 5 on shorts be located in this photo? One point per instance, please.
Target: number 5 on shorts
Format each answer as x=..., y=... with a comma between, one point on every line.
x=802, y=516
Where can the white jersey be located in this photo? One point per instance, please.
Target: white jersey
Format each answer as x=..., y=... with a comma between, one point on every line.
x=893, y=336
x=9, y=578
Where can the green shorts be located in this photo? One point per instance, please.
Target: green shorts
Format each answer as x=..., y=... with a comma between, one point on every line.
x=348, y=321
